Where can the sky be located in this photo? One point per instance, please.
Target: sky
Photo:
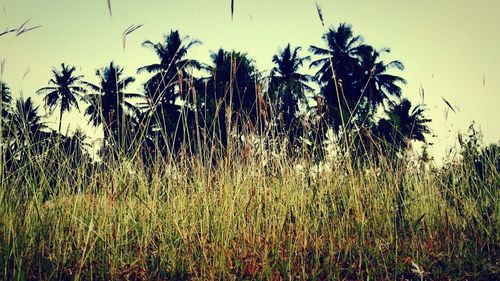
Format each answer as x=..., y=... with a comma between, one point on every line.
x=450, y=48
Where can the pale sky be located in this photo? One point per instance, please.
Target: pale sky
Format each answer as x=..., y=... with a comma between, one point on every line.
x=451, y=48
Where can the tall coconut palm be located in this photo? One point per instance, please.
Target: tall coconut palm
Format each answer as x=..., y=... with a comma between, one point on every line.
x=108, y=102
x=25, y=119
x=230, y=95
x=233, y=81
x=404, y=124
x=165, y=85
x=25, y=130
x=363, y=80
x=65, y=91
x=287, y=86
x=339, y=55
x=381, y=85
x=169, y=83
x=337, y=64
x=76, y=144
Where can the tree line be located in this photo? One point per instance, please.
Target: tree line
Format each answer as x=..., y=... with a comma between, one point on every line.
x=187, y=104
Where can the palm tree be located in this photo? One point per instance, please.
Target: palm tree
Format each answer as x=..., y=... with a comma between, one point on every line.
x=341, y=56
x=287, y=85
x=5, y=131
x=76, y=144
x=165, y=85
x=228, y=96
x=381, y=86
x=26, y=122
x=336, y=74
x=108, y=102
x=168, y=85
x=6, y=98
x=234, y=77
x=233, y=82
x=25, y=131
x=26, y=118
x=404, y=124
x=353, y=79
x=64, y=92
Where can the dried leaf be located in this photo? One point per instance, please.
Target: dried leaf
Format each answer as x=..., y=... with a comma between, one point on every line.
x=128, y=31
x=232, y=9
x=109, y=8
x=2, y=67
x=22, y=25
x=422, y=93
x=320, y=13
x=6, y=31
x=461, y=139
x=20, y=30
x=24, y=30
x=26, y=72
x=449, y=105
x=417, y=269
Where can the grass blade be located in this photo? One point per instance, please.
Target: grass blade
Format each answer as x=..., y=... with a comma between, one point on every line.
x=128, y=31
x=449, y=105
x=320, y=14
x=109, y=8
x=232, y=9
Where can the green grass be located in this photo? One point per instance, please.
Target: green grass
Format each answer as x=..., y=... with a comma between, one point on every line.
x=245, y=212
x=241, y=219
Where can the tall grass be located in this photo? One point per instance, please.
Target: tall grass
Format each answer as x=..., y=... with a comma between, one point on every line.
x=257, y=213
x=248, y=210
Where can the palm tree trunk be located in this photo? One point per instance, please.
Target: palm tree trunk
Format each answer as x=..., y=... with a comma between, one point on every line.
x=60, y=119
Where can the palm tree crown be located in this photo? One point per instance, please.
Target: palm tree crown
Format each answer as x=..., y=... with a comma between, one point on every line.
x=340, y=54
x=404, y=124
x=26, y=120
x=171, y=68
x=64, y=92
x=108, y=103
x=287, y=85
x=381, y=86
x=233, y=80
x=353, y=79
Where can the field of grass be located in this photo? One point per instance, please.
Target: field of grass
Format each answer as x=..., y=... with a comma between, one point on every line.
x=252, y=209
x=251, y=215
